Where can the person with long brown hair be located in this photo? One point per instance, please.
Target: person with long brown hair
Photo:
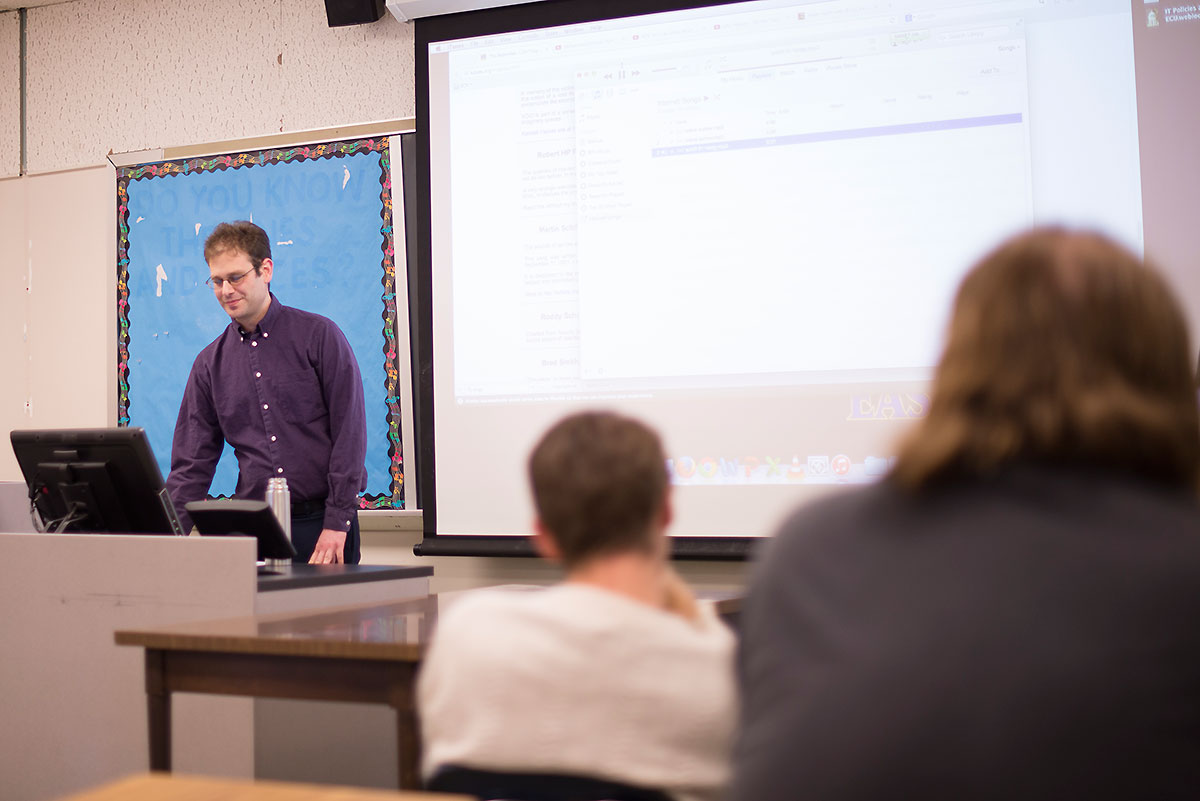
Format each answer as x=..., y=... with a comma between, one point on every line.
x=1010, y=613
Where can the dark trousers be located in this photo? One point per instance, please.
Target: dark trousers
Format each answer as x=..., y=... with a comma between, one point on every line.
x=307, y=524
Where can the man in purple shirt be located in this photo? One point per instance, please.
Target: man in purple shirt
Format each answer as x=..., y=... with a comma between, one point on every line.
x=282, y=386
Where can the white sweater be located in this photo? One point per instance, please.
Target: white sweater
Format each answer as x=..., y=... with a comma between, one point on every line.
x=575, y=679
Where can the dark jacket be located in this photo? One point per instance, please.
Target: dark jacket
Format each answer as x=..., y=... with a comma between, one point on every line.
x=1035, y=635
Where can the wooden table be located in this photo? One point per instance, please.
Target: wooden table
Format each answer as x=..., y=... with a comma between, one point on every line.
x=167, y=787
x=364, y=653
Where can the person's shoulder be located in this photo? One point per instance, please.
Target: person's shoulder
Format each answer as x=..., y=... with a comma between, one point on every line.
x=833, y=514
x=209, y=352
x=313, y=327
x=595, y=613
x=537, y=608
x=824, y=527
x=306, y=317
x=483, y=624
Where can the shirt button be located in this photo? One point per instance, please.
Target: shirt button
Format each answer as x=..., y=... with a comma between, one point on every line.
x=280, y=470
x=272, y=439
x=266, y=406
x=258, y=375
x=265, y=334
x=254, y=344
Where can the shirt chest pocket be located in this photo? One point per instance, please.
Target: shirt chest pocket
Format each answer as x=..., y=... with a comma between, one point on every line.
x=300, y=398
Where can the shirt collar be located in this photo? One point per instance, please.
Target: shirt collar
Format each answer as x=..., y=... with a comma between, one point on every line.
x=266, y=323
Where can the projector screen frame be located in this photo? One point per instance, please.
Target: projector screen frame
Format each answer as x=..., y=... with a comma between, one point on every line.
x=552, y=13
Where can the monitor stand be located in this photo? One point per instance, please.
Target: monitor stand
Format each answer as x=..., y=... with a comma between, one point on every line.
x=272, y=567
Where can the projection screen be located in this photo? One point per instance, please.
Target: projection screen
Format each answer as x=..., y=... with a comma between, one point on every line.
x=744, y=223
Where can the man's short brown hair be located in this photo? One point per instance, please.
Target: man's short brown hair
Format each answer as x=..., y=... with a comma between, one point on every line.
x=241, y=235
x=1063, y=347
x=599, y=483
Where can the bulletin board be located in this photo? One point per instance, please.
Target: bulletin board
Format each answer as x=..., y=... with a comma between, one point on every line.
x=327, y=209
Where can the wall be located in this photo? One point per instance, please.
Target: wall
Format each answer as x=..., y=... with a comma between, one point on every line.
x=113, y=76
x=119, y=76
x=10, y=95
x=14, y=386
x=71, y=297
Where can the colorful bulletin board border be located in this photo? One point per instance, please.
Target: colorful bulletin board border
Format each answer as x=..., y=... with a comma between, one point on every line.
x=326, y=150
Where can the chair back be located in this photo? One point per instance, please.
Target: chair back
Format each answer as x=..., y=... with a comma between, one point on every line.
x=489, y=785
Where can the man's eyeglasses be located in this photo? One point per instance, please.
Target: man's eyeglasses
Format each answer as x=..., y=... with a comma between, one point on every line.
x=233, y=280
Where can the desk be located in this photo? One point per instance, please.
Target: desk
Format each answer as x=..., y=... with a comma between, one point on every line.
x=295, y=588
x=162, y=787
x=288, y=577
x=363, y=653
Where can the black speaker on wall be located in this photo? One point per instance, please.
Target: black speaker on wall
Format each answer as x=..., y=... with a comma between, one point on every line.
x=353, y=12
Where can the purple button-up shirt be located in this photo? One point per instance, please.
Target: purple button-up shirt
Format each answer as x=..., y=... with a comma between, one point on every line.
x=289, y=399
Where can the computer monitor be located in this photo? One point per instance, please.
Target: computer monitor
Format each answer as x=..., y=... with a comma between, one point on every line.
x=95, y=480
x=240, y=518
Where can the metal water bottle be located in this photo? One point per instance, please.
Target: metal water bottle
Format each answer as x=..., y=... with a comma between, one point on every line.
x=279, y=498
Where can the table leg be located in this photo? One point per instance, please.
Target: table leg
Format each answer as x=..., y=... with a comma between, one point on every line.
x=408, y=738
x=158, y=709
x=408, y=732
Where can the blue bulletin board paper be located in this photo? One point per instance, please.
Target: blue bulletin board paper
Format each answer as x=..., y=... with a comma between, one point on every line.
x=327, y=211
